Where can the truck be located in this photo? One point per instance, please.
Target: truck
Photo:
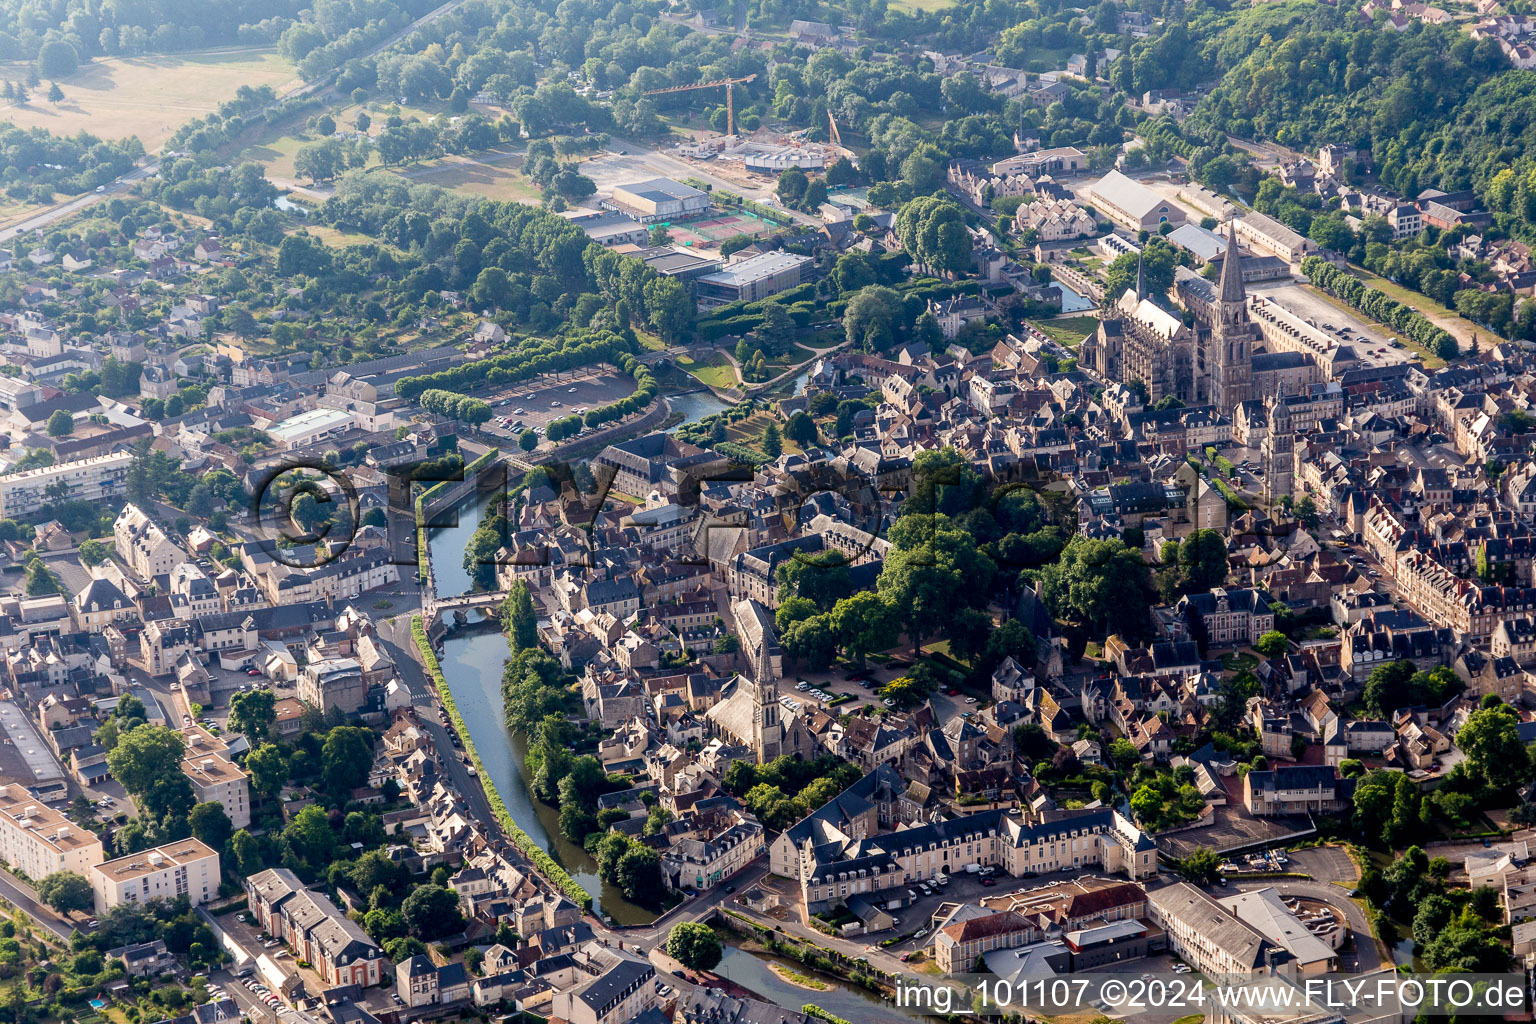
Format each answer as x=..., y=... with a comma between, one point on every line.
x=972, y=869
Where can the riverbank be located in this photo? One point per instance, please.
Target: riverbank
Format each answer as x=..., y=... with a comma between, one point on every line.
x=542, y=861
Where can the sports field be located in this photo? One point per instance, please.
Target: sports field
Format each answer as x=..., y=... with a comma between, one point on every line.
x=149, y=97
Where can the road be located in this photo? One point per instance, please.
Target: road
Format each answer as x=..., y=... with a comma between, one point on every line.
x=152, y=165
x=23, y=897
x=42, y=220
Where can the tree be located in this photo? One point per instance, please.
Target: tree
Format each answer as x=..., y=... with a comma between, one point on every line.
x=1201, y=867
x=57, y=59
x=55, y=94
x=528, y=440
x=932, y=229
x=773, y=441
x=801, y=429
x=210, y=824
x=518, y=613
x=94, y=552
x=864, y=624
x=309, y=838
x=431, y=912
x=345, y=758
x=66, y=891
x=253, y=713
x=1203, y=559
x=147, y=761
x=61, y=424
x=694, y=945
x=1272, y=644
x=869, y=319
x=1158, y=261
x=1101, y=584
x=268, y=768
x=1491, y=742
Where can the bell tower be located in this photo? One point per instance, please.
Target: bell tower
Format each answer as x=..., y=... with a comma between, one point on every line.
x=1233, y=335
x=767, y=729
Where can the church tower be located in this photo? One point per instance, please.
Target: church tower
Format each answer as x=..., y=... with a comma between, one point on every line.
x=767, y=730
x=1279, y=452
x=1233, y=334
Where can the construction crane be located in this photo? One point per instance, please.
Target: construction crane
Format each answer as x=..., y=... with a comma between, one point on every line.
x=730, y=106
x=837, y=139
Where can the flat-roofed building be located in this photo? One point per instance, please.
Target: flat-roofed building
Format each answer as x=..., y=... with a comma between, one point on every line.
x=659, y=199
x=187, y=868
x=608, y=229
x=95, y=479
x=38, y=841
x=311, y=427
x=672, y=261
x=216, y=779
x=756, y=277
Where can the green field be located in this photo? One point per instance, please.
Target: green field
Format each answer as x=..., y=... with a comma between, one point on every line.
x=716, y=371
x=1068, y=331
x=150, y=97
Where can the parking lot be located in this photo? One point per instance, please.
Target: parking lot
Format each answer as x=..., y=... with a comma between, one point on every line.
x=535, y=403
x=1370, y=341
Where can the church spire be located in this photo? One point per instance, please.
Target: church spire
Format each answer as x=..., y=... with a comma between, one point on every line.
x=1232, y=268
x=1141, y=281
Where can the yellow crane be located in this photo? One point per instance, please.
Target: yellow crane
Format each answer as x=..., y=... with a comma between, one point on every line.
x=730, y=106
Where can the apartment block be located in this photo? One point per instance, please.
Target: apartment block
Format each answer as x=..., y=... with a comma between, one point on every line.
x=95, y=479
x=187, y=868
x=38, y=841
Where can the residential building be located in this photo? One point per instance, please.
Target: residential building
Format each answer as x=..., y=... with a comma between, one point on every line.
x=100, y=478
x=38, y=841
x=188, y=868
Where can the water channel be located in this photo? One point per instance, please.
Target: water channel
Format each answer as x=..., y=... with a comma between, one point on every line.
x=472, y=663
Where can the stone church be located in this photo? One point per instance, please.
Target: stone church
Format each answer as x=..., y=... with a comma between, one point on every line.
x=1208, y=364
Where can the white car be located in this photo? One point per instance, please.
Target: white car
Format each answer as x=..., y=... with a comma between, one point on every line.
x=889, y=703
x=970, y=700
x=570, y=391
x=803, y=686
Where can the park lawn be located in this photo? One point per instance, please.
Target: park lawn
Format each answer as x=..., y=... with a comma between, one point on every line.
x=276, y=152
x=797, y=354
x=716, y=371
x=1441, y=316
x=750, y=431
x=338, y=239
x=649, y=341
x=499, y=180
x=149, y=97
x=1068, y=331
x=923, y=5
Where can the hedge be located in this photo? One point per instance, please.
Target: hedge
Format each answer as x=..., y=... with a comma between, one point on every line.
x=541, y=860
x=1378, y=305
x=812, y=1010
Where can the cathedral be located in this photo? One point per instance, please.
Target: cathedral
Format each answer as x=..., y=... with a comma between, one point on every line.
x=1209, y=364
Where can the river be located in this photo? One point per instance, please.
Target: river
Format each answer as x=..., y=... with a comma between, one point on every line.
x=472, y=663
x=750, y=971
